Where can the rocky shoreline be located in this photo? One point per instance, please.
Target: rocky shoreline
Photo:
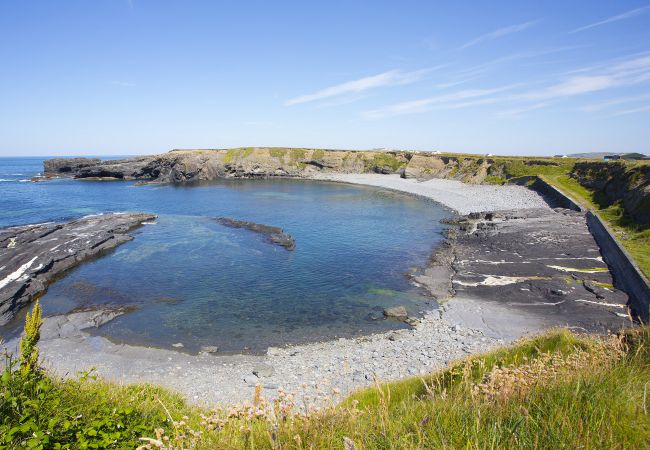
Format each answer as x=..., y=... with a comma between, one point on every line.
x=504, y=274
x=314, y=373
x=179, y=166
x=32, y=256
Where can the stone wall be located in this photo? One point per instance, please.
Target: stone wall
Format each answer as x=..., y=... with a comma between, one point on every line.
x=553, y=196
x=627, y=276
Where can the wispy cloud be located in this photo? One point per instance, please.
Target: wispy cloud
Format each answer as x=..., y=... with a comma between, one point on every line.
x=122, y=83
x=623, y=16
x=625, y=73
x=614, y=102
x=498, y=33
x=385, y=79
x=258, y=123
x=572, y=86
x=341, y=101
x=517, y=112
x=474, y=72
x=456, y=100
x=633, y=110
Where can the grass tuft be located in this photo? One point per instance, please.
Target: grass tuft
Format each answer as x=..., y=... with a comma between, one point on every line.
x=557, y=390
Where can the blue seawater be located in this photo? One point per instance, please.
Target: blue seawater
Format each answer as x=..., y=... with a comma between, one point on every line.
x=191, y=280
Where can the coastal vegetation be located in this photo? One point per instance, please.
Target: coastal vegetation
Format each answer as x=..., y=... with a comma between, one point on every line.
x=555, y=390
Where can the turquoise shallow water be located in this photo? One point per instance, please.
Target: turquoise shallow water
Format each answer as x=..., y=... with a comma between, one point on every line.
x=194, y=281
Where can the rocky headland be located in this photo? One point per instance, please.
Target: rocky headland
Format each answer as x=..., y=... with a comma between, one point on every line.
x=32, y=256
x=204, y=165
x=614, y=182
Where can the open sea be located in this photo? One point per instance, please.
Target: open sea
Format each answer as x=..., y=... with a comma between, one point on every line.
x=193, y=281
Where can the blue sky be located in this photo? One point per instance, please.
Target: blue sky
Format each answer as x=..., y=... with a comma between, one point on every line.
x=145, y=76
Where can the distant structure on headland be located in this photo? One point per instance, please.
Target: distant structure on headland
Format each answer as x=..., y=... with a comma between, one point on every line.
x=611, y=156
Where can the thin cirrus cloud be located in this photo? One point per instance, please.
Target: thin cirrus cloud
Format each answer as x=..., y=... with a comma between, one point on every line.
x=456, y=100
x=627, y=72
x=498, y=33
x=516, y=112
x=633, y=110
x=626, y=15
x=572, y=86
x=122, y=83
x=594, y=107
x=385, y=79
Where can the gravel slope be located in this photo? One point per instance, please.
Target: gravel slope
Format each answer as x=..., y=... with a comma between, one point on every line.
x=462, y=198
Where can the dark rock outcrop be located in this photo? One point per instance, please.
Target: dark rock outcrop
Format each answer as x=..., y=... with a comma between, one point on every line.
x=275, y=235
x=68, y=165
x=32, y=256
x=180, y=166
x=90, y=168
x=618, y=182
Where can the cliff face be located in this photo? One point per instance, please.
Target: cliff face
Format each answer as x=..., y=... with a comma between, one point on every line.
x=618, y=182
x=200, y=165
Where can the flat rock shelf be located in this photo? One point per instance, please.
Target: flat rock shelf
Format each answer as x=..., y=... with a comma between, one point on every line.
x=31, y=256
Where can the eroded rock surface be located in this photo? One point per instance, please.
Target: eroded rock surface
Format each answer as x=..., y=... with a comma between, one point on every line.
x=274, y=235
x=544, y=262
x=31, y=256
x=179, y=166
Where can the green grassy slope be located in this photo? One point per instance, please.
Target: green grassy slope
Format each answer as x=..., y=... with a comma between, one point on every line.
x=557, y=390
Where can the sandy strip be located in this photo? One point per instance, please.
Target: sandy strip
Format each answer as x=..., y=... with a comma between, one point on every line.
x=461, y=197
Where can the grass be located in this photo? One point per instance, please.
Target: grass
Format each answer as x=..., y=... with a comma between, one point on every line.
x=557, y=390
x=381, y=160
x=237, y=153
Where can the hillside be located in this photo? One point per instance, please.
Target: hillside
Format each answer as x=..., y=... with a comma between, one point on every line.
x=558, y=390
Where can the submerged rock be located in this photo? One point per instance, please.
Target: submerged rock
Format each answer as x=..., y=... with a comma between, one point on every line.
x=209, y=349
x=275, y=235
x=398, y=312
x=31, y=256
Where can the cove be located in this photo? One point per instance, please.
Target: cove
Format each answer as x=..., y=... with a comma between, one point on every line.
x=188, y=279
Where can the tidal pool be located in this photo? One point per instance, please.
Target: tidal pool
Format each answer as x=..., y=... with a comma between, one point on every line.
x=193, y=281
